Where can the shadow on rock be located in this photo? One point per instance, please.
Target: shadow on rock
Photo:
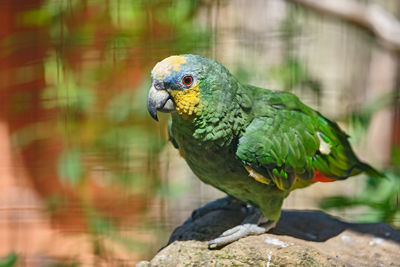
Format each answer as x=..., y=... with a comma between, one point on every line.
x=313, y=226
x=301, y=238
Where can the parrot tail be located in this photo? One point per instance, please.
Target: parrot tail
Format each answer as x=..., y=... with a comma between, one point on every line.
x=370, y=170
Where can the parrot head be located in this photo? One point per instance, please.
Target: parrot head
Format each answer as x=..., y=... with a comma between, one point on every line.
x=183, y=83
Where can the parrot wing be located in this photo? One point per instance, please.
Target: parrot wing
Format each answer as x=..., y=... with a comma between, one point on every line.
x=280, y=147
x=288, y=140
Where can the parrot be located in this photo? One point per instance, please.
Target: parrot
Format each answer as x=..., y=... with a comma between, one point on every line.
x=255, y=145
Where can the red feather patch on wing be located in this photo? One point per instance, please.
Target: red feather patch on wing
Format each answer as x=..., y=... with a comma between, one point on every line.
x=319, y=177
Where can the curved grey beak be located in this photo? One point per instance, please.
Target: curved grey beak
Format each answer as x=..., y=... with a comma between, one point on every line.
x=159, y=100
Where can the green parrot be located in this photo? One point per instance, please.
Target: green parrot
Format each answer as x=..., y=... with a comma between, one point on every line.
x=256, y=145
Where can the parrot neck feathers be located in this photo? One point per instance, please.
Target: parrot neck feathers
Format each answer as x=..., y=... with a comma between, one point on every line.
x=220, y=120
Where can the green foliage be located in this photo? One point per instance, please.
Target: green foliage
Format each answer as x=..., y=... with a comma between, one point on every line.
x=70, y=167
x=100, y=225
x=122, y=107
x=243, y=74
x=9, y=260
x=293, y=73
x=380, y=197
x=360, y=119
x=121, y=133
x=98, y=56
x=63, y=91
x=36, y=17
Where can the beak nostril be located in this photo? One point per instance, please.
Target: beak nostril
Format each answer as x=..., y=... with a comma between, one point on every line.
x=159, y=85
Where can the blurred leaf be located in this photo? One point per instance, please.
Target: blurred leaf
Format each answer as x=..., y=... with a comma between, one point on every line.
x=370, y=216
x=36, y=17
x=130, y=244
x=139, y=99
x=132, y=181
x=63, y=91
x=242, y=74
x=55, y=7
x=290, y=27
x=189, y=38
x=292, y=74
x=92, y=51
x=133, y=137
x=174, y=189
x=396, y=219
x=380, y=196
x=32, y=132
x=127, y=14
x=118, y=47
x=379, y=190
x=120, y=107
x=178, y=11
x=396, y=158
x=337, y=202
x=70, y=166
x=9, y=260
x=100, y=225
x=67, y=96
x=362, y=116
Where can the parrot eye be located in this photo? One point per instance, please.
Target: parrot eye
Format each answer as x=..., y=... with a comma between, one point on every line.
x=187, y=80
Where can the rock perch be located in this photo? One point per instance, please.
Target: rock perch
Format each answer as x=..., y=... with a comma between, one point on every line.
x=301, y=238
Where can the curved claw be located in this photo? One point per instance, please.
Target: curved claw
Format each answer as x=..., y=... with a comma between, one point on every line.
x=254, y=224
x=236, y=233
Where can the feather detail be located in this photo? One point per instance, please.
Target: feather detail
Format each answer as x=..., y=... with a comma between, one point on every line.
x=258, y=177
x=319, y=177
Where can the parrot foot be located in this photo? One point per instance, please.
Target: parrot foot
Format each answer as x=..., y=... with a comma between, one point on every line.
x=227, y=203
x=254, y=224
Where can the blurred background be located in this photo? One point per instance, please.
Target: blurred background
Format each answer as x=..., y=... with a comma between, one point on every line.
x=88, y=178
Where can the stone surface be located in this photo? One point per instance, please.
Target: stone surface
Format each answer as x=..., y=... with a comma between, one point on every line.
x=301, y=238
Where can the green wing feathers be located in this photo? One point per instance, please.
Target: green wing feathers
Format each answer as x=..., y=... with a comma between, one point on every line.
x=279, y=147
x=341, y=162
x=287, y=139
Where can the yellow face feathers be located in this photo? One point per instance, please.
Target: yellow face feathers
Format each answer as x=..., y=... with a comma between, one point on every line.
x=163, y=68
x=186, y=95
x=187, y=101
